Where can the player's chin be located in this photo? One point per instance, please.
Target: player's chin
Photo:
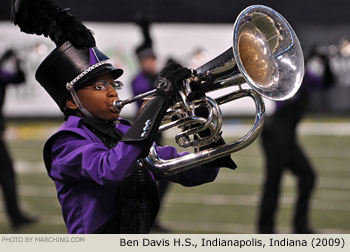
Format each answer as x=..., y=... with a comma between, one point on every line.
x=112, y=116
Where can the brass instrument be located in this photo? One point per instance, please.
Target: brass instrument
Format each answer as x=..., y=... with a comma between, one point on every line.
x=266, y=54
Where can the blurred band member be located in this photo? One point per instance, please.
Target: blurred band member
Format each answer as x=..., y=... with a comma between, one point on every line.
x=283, y=151
x=10, y=73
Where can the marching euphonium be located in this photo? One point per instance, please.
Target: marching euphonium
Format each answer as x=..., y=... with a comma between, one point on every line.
x=266, y=54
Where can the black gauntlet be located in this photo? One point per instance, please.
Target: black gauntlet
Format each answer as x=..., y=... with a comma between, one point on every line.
x=145, y=128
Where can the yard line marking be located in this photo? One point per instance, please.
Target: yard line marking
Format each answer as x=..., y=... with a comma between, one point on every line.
x=229, y=129
x=35, y=191
x=305, y=128
x=211, y=227
x=249, y=200
x=325, y=128
x=44, y=219
x=216, y=227
x=332, y=153
x=252, y=179
x=29, y=167
x=333, y=194
x=52, y=219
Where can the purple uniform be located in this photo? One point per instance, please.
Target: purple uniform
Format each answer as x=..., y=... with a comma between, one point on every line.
x=88, y=175
x=142, y=83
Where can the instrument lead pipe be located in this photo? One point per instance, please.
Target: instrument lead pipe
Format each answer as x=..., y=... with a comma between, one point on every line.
x=119, y=104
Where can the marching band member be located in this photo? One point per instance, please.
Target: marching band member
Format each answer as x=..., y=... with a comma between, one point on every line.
x=10, y=73
x=95, y=157
x=283, y=151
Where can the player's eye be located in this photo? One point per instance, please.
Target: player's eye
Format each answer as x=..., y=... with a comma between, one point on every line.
x=100, y=87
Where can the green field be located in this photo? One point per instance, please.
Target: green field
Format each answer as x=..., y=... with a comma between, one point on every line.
x=229, y=205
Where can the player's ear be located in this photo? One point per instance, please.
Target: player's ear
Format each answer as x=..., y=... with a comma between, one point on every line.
x=71, y=104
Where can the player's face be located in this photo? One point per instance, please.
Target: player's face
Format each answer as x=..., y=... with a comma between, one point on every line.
x=149, y=65
x=98, y=98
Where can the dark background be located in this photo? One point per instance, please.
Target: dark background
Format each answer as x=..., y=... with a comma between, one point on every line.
x=315, y=21
x=297, y=12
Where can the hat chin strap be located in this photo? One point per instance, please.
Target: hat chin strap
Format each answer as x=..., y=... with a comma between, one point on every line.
x=78, y=103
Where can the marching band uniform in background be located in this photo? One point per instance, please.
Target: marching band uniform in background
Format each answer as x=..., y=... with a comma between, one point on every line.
x=282, y=150
x=145, y=79
x=95, y=157
x=13, y=74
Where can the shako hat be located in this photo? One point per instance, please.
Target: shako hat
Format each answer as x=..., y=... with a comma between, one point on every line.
x=67, y=66
x=145, y=49
x=74, y=61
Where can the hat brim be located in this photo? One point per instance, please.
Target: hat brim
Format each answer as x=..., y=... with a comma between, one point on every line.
x=86, y=80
